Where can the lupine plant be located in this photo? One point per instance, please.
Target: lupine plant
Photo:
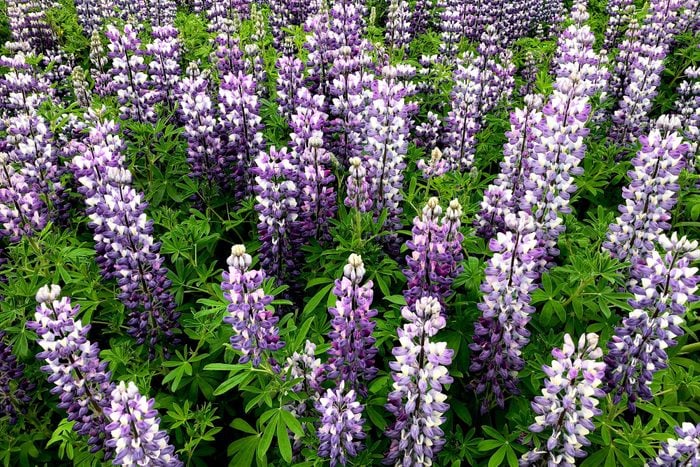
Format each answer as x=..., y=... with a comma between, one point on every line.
x=349, y=233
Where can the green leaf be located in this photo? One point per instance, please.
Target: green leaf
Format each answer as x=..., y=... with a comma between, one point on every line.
x=292, y=423
x=492, y=432
x=316, y=299
x=241, y=425
x=268, y=433
x=283, y=442
x=496, y=459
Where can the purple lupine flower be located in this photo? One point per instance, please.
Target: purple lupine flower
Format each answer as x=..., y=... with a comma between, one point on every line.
x=417, y=399
x=666, y=286
x=289, y=79
x=650, y=196
x=240, y=120
x=688, y=108
x=227, y=54
x=568, y=402
x=28, y=24
x=428, y=135
x=91, y=15
x=503, y=196
x=129, y=77
x=501, y=332
x=350, y=87
x=80, y=379
x=421, y=16
x=436, y=251
x=164, y=67
x=358, y=196
x=619, y=13
x=454, y=15
x=134, y=431
x=352, y=352
x=308, y=120
x=80, y=87
x=436, y=166
x=124, y=239
x=398, y=24
x=309, y=369
x=340, y=432
x=347, y=24
x=278, y=211
x=160, y=13
x=22, y=211
x=15, y=388
x=321, y=56
x=317, y=197
x=387, y=143
x=226, y=15
x=681, y=451
x=100, y=70
x=22, y=89
x=249, y=311
x=480, y=83
x=638, y=69
x=286, y=13
x=205, y=148
x=559, y=147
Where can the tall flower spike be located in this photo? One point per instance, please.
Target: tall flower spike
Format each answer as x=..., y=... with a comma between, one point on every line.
x=650, y=196
x=666, y=286
x=568, y=402
x=289, y=78
x=358, y=187
x=688, y=108
x=340, y=432
x=278, y=211
x=164, y=67
x=436, y=252
x=352, y=351
x=417, y=400
x=501, y=332
x=79, y=378
x=249, y=311
x=681, y=451
x=317, y=196
x=134, y=431
x=15, y=388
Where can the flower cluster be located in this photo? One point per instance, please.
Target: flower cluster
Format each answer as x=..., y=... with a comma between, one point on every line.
x=79, y=378
x=667, y=284
x=501, y=331
x=340, y=432
x=688, y=108
x=249, y=311
x=419, y=372
x=239, y=112
x=684, y=450
x=317, y=195
x=503, y=196
x=620, y=13
x=133, y=430
x=398, y=24
x=278, y=211
x=129, y=74
x=290, y=78
x=436, y=251
x=164, y=68
x=15, y=388
x=568, y=402
x=358, y=196
x=123, y=237
x=352, y=352
x=649, y=197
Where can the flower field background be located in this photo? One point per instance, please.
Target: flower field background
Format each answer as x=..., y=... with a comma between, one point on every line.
x=349, y=232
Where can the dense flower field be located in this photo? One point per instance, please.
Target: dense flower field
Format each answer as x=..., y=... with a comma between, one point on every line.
x=349, y=232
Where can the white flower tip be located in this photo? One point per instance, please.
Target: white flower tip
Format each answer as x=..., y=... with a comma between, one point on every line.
x=48, y=293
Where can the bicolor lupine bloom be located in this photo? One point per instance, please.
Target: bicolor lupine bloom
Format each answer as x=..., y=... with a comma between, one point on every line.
x=347, y=24
x=250, y=312
x=15, y=388
x=317, y=195
x=619, y=12
x=398, y=24
x=321, y=53
x=289, y=78
x=387, y=143
x=340, y=431
x=278, y=211
x=306, y=367
x=638, y=69
x=28, y=24
x=91, y=14
x=129, y=74
x=650, y=196
x=436, y=252
x=666, y=286
x=688, y=108
x=124, y=239
x=99, y=70
x=352, y=352
x=568, y=403
x=681, y=451
x=559, y=147
x=80, y=87
x=501, y=332
x=358, y=196
x=164, y=67
x=239, y=109
x=417, y=400
x=22, y=88
x=205, y=147
x=134, y=432
x=503, y=196
x=79, y=378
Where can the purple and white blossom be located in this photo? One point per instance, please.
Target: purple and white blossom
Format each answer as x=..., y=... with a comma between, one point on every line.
x=340, y=431
x=568, y=403
x=250, y=312
x=665, y=287
x=417, y=400
x=681, y=451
